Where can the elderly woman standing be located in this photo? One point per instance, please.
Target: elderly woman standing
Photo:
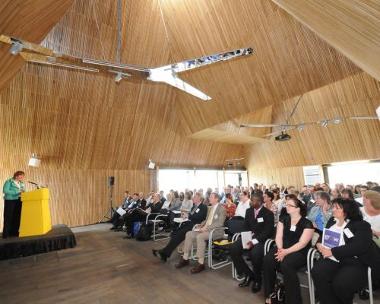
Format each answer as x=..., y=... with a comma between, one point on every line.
x=12, y=204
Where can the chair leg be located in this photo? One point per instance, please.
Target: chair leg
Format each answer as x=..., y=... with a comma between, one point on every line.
x=370, y=285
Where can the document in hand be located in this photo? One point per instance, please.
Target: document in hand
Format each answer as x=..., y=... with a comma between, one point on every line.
x=121, y=211
x=331, y=238
x=246, y=237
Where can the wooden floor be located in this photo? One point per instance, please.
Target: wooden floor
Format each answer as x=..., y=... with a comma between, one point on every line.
x=105, y=268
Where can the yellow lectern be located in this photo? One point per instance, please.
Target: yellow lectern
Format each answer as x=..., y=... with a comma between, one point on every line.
x=35, y=213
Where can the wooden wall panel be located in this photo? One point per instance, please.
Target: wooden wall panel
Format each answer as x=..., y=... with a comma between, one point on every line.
x=288, y=176
x=81, y=197
x=85, y=126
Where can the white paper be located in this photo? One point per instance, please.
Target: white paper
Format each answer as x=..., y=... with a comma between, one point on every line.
x=180, y=220
x=246, y=237
x=121, y=211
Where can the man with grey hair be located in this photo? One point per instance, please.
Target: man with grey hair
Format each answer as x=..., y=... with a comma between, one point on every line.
x=197, y=215
x=200, y=234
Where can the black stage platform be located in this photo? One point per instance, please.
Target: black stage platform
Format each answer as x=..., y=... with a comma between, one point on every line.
x=59, y=237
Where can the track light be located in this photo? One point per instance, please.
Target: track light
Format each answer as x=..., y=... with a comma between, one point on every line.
x=300, y=127
x=324, y=123
x=336, y=121
x=118, y=77
x=16, y=48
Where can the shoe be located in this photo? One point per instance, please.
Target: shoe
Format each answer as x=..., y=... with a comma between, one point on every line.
x=182, y=263
x=128, y=236
x=198, y=268
x=363, y=294
x=159, y=254
x=113, y=228
x=256, y=287
x=247, y=280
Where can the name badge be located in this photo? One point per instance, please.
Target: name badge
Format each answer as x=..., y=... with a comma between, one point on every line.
x=348, y=233
x=215, y=216
x=260, y=220
x=197, y=211
x=293, y=228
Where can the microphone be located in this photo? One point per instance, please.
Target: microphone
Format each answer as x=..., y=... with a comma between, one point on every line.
x=35, y=184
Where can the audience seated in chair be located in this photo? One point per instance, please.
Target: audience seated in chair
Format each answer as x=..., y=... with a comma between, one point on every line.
x=270, y=205
x=260, y=221
x=196, y=216
x=215, y=219
x=235, y=224
x=117, y=220
x=343, y=269
x=138, y=214
x=293, y=240
x=320, y=214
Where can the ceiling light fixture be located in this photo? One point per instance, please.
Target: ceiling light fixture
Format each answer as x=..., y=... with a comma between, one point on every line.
x=16, y=48
x=324, y=123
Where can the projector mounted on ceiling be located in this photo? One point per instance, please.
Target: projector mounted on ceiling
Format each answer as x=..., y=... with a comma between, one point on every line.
x=166, y=74
x=283, y=137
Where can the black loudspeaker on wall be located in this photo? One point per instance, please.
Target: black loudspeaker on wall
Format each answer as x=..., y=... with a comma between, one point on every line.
x=111, y=180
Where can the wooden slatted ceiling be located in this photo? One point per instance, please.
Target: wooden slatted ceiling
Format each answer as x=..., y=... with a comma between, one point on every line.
x=289, y=59
x=352, y=27
x=351, y=140
x=29, y=19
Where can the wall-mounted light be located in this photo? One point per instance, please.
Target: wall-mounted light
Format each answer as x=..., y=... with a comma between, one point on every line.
x=151, y=165
x=34, y=161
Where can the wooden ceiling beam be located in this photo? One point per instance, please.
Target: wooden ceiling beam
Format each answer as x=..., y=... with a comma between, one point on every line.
x=351, y=27
x=31, y=20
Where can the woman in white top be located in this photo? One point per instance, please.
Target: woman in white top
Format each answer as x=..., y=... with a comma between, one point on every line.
x=186, y=206
x=371, y=213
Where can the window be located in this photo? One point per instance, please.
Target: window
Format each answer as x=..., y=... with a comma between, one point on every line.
x=354, y=173
x=181, y=179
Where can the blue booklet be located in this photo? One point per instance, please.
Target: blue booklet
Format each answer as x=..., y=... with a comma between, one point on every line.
x=331, y=238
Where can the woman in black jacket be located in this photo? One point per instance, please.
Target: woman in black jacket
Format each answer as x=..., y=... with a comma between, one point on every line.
x=343, y=269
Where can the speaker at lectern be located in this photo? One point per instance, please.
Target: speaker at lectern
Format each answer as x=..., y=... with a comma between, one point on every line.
x=35, y=213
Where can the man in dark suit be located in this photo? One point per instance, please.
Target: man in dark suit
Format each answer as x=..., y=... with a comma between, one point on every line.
x=260, y=221
x=197, y=215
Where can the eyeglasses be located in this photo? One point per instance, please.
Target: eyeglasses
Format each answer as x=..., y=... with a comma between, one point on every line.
x=289, y=205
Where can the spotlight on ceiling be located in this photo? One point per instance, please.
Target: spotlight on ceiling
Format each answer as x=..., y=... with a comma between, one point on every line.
x=151, y=165
x=324, y=123
x=16, y=48
x=378, y=112
x=301, y=127
x=336, y=121
x=34, y=161
x=118, y=77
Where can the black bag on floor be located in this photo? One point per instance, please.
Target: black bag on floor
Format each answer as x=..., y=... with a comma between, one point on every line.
x=145, y=232
x=278, y=295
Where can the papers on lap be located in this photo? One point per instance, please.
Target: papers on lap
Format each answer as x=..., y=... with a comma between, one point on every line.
x=246, y=237
x=180, y=220
x=121, y=211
